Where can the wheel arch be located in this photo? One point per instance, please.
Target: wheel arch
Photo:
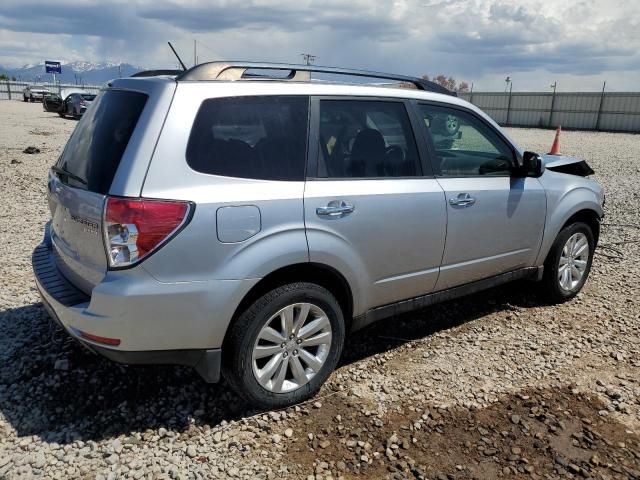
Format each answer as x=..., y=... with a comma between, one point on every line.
x=584, y=213
x=588, y=216
x=321, y=274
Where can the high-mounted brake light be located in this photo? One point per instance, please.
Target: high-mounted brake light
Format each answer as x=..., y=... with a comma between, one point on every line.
x=133, y=228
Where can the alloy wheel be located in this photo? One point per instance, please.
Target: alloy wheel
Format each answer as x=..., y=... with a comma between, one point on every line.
x=291, y=347
x=573, y=261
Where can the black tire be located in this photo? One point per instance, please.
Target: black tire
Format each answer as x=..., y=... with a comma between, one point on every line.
x=237, y=362
x=551, y=288
x=24, y=99
x=61, y=114
x=31, y=98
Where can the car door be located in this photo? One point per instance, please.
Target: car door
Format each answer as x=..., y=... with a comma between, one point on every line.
x=69, y=103
x=372, y=209
x=53, y=103
x=495, y=219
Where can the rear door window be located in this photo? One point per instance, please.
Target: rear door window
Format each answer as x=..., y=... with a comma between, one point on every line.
x=96, y=146
x=251, y=137
x=366, y=139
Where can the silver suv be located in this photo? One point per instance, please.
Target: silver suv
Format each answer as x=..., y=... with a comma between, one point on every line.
x=241, y=219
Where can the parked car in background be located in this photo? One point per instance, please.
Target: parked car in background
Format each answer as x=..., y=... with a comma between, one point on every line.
x=76, y=104
x=244, y=227
x=33, y=93
x=70, y=101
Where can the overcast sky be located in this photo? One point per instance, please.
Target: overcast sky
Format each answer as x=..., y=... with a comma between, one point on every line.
x=577, y=43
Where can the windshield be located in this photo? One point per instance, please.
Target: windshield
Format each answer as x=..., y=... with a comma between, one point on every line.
x=96, y=146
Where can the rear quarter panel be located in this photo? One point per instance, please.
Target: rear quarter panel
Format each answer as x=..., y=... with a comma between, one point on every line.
x=197, y=252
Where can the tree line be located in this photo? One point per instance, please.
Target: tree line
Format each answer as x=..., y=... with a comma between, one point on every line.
x=449, y=83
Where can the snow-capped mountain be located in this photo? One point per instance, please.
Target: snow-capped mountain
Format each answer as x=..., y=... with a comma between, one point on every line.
x=80, y=66
x=91, y=73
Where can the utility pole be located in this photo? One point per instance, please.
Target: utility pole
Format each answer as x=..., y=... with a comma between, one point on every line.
x=120, y=70
x=195, y=56
x=308, y=58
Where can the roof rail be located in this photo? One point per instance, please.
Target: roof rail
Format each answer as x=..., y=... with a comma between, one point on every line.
x=155, y=73
x=237, y=71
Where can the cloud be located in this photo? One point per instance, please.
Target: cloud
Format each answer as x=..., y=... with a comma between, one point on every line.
x=477, y=40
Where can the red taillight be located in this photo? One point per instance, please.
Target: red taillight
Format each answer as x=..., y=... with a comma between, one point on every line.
x=135, y=227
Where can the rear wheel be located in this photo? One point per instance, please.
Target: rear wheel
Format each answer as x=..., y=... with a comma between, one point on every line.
x=569, y=262
x=285, y=345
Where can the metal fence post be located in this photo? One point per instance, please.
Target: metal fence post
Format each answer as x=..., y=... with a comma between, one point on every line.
x=553, y=101
x=8, y=89
x=600, y=106
x=471, y=96
x=509, y=104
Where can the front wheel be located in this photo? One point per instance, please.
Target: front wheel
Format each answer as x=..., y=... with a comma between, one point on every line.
x=24, y=98
x=284, y=346
x=569, y=262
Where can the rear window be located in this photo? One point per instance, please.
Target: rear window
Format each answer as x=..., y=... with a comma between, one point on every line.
x=95, y=148
x=250, y=137
x=87, y=96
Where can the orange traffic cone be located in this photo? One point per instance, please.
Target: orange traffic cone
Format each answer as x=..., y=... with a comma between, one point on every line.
x=555, y=147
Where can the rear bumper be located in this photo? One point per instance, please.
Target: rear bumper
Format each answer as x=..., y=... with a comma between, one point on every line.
x=158, y=323
x=205, y=361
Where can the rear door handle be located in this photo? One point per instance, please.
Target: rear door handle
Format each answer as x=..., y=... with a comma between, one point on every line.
x=335, y=209
x=462, y=200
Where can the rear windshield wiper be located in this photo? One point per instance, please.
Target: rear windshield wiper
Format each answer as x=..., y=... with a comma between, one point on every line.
x=62, y=171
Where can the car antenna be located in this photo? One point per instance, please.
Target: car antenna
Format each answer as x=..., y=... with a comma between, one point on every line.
x=177, y=56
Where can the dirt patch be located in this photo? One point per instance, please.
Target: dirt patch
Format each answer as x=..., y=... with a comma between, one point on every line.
x=536, y=433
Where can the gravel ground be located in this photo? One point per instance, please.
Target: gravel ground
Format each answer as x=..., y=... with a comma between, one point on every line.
x=496, y=385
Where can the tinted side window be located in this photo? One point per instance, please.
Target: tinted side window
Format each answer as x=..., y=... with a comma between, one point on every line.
x=250, y=137
x=465, y=146
x=362, y=139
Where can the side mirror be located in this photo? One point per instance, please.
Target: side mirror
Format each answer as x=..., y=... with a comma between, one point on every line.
x=532, y=165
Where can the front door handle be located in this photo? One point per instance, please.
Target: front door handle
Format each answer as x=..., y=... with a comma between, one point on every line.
x=335, y=209
x=462, y=200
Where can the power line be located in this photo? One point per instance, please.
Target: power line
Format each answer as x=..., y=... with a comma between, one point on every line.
x=207, y=47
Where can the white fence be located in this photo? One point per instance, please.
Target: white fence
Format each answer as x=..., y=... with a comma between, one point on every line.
x=13, y=90
x=615, y=111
